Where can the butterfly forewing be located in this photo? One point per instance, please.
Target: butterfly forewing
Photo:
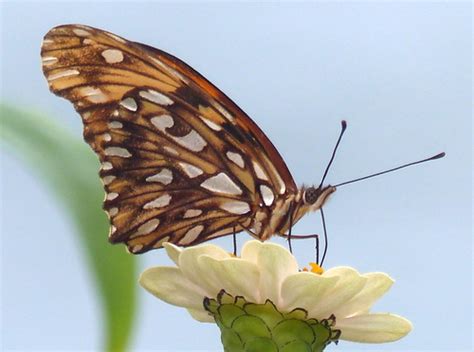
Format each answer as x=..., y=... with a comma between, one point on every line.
x=180, y=161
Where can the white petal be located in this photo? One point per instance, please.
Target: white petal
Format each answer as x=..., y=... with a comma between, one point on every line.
x=236, y=276
x=375, y=287
x=275, y=264
x=250, y=250
x=173, y=251
x=189, y=265
x=349, y=284
x=170, y=285
x=341, y=271
x=201, y=315
x=303, y=290
x=373, y=328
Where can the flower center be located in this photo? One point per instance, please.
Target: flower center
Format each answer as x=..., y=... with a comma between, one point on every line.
x=315, y=268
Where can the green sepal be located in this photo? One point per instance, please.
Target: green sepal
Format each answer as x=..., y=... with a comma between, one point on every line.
x=229, y=313
x=289, y=330
x=297, y=313
x=267, y=312
x=252, y=327
x=260, y=344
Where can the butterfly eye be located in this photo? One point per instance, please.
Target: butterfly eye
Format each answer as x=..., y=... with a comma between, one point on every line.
x=311, y=195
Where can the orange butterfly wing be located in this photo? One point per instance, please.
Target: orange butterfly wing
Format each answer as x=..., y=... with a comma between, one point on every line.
x=180, y=161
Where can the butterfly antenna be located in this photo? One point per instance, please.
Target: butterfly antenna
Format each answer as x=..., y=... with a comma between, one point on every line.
x=437, y=156
x=343, y=128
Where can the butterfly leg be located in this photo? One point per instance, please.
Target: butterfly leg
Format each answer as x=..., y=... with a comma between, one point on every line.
x=317, y=249
x=234, y=240
x=316, y=237
x=302, y=237
x=288, y=237
x=325, y=237
x=289, y=230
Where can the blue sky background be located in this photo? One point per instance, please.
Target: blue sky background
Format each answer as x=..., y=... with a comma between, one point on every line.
x=398, y=72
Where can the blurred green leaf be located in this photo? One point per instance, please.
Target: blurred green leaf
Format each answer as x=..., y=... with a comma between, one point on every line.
x=69, y=168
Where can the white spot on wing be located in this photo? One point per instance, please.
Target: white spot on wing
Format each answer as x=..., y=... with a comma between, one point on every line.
x=117, y=151
x=107, y=166
x=136, y=248
x=223, y=111
x=80, y=32
x=113, y=211
x=112, y=56
x=129, y=103
x=115, y=124
x=211, y=124
x=282, y=184
x=161, y=201
x=156, y=97
x=192, y=141
x=162, y=122
x=267, y=195
x=191, y=170
x=159, y=244
x=221, y=183
x=235, y=207
x=117, y=38
x=165, y=177
x=112, y=196
x=259, y=171
x=169, y=70
x=192, y=213
x=146, y=228
x=236, y=158
x=62, y=74
x=94, y=95
x=191, y=235
x=112, y=230
x=49, y=60
x=108, y=179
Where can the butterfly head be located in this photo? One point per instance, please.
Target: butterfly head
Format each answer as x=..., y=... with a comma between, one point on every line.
x=316, y=197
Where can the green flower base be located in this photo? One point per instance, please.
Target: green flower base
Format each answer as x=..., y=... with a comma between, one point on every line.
x=252, y=327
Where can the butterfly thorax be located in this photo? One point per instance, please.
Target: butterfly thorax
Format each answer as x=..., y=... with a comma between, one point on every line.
x=288, y=210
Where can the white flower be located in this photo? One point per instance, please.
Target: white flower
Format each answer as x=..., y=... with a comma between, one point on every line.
x=269, y=271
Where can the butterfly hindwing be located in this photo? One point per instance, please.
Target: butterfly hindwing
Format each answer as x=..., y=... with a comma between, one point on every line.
x=180, y=161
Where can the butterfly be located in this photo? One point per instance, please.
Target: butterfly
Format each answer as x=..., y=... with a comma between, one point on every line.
x=180, y=161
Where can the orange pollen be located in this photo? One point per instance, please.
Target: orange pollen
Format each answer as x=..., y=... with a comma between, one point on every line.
x=315, y=268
